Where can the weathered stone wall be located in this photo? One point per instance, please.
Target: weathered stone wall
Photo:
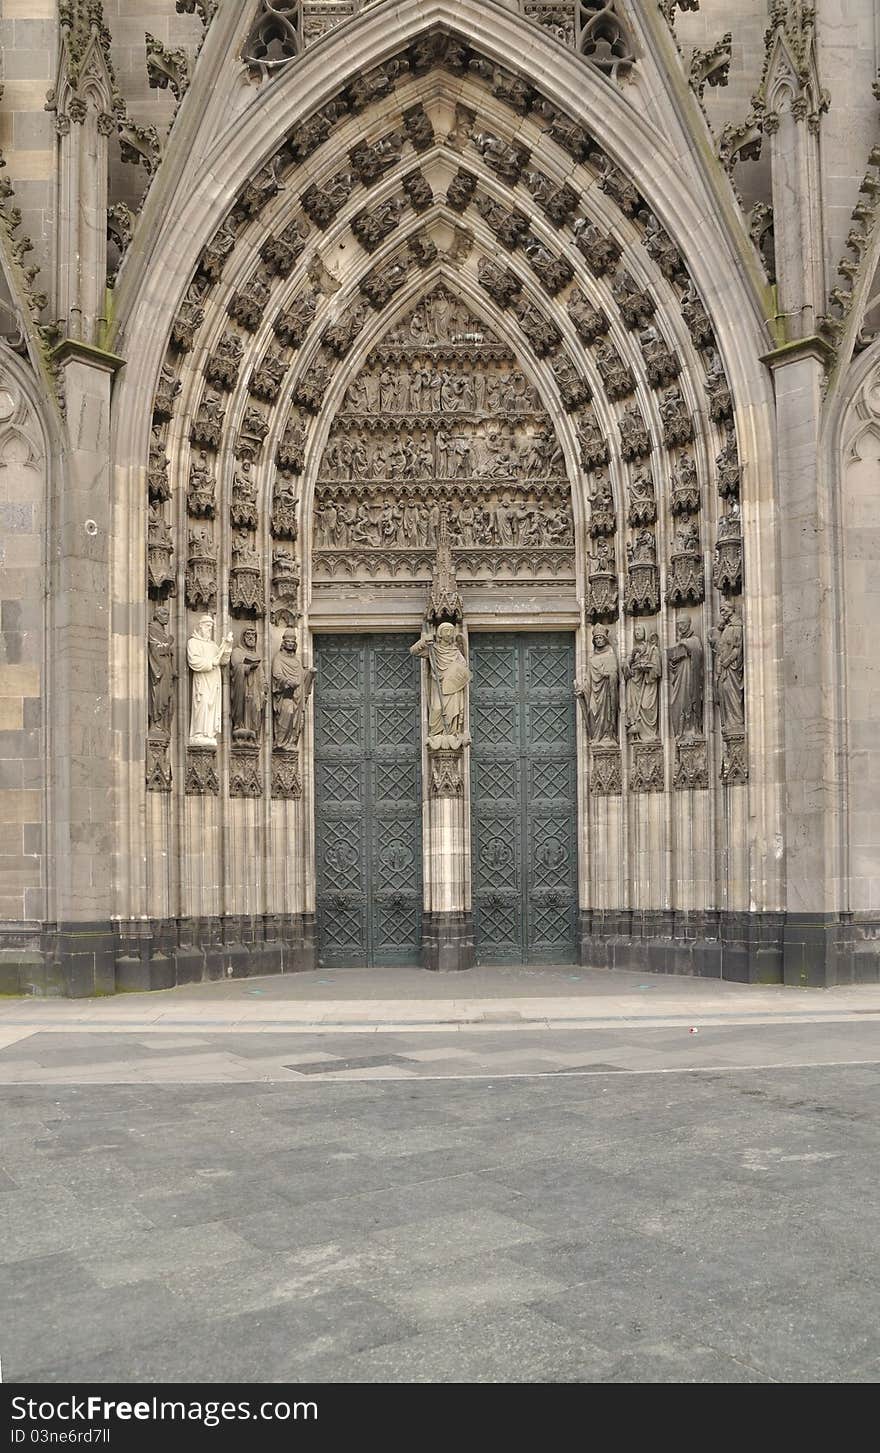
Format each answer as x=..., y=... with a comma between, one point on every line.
x=24, y=465
x=728, y=850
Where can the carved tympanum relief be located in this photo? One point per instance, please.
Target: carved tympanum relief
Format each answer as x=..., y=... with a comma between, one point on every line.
x=442, y=417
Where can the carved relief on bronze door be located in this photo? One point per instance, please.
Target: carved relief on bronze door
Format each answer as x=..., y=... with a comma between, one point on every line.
x=368, y=800
x=524, y=797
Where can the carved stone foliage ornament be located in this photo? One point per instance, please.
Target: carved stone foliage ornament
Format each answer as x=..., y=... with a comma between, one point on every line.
x=158, y=769
x=202, y=779
x=286, y=781
x=691, y=765
x=446, y=774
x=646, y=772
x=245, y=777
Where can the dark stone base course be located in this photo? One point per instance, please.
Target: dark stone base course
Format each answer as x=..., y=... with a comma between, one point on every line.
x=87, y=959
x=82, y=960
x=447, y=942
x=803, y=950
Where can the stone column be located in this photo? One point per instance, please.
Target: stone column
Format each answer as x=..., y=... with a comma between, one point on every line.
x=806, y=552
x=82, y=740
x=447, y=925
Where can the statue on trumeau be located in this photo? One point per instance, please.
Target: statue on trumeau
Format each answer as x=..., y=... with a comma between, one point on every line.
x=449, y=678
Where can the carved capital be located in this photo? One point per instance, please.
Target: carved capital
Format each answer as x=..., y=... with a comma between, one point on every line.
x=201, y=772
x=605, y=774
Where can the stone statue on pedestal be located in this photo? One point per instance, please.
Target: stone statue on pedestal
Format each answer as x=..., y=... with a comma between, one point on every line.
x=600, y=694
x=248, y=688
x=726, y=641
x=450, y=675
x=205, y=658
x=642, y=674
x=291, y=687
x=162, y=674
x=685, y=661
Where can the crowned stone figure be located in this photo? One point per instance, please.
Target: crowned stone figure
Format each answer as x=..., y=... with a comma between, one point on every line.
x=291, y=687
x=600, y=694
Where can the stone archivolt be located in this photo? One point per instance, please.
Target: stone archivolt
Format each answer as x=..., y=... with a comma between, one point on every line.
x=595, y=287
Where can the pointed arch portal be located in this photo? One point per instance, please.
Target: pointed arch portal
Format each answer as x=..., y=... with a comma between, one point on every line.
x=443, y=285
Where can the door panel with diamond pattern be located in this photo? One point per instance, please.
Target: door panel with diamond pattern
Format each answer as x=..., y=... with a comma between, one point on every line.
x=524, y=797
x=369, y=800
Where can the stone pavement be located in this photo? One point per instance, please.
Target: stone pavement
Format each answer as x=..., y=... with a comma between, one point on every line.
x=551, y=1178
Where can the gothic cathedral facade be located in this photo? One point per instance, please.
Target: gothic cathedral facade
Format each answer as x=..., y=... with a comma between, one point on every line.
x=439, y=488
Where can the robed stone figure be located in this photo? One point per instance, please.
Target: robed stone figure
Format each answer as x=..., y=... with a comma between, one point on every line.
x=726, y=641
x=642, y=673
x=600, y=695
x=161, y=674
x=205, y=659
x=291, y=687
x=449, y=677
x=685, y=662
x=247, y=688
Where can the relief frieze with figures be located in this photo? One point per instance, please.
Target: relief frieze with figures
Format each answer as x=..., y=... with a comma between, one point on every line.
x=442, y=417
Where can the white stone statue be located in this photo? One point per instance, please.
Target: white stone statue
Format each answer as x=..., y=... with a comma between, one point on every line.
x=205, y=658
x=450, y=674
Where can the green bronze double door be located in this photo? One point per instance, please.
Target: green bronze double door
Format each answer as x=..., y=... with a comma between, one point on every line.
x=368, y=804
x=369, y=798
x=524, y=860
